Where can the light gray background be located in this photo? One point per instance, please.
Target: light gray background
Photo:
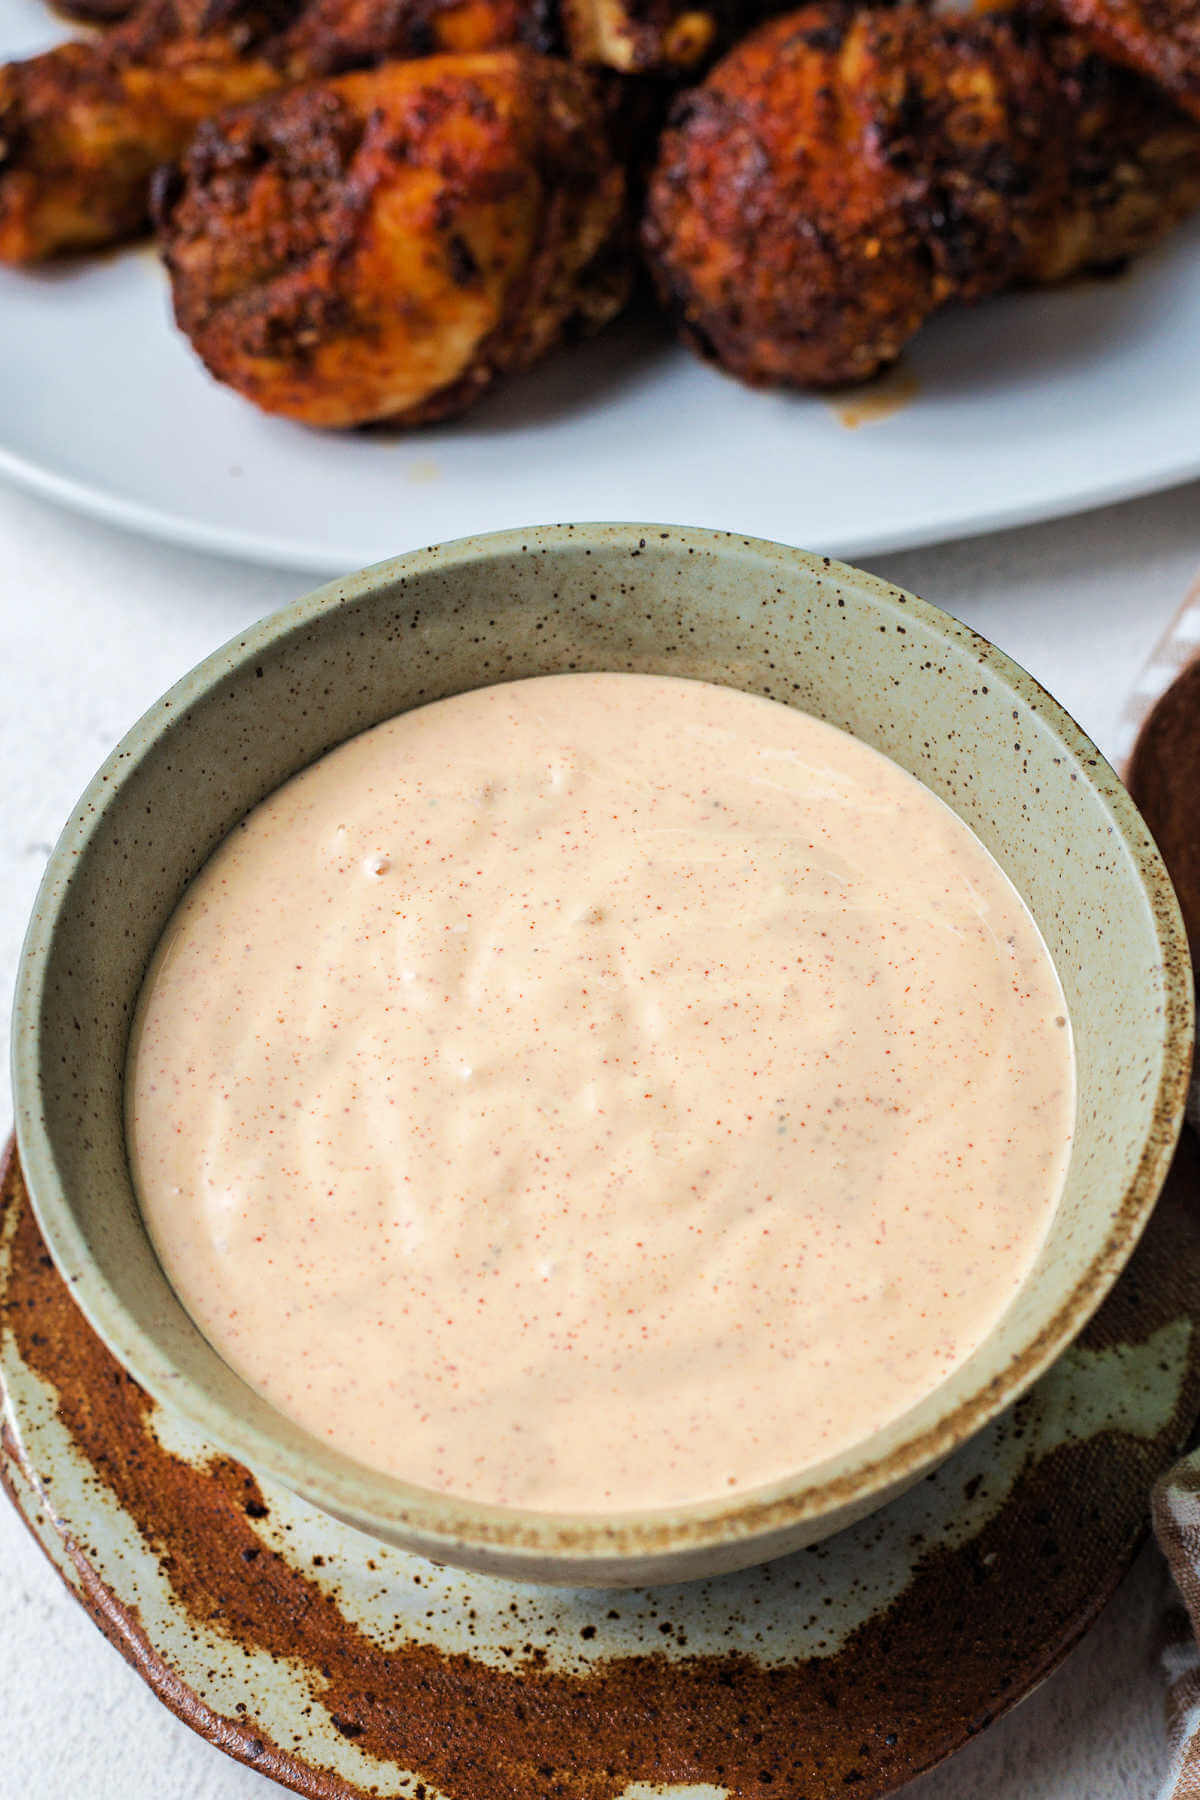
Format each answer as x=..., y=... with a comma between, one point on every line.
x=93, y=626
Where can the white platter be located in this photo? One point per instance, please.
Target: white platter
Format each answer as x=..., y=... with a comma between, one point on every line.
x=1030, y=407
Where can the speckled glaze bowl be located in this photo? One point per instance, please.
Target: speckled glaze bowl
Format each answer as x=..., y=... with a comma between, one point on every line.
x=895, y=672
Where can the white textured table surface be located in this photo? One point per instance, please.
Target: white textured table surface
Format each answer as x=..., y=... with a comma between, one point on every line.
x=93, y=625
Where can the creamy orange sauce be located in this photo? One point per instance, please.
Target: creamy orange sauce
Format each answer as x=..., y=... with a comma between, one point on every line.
x=599, y=1092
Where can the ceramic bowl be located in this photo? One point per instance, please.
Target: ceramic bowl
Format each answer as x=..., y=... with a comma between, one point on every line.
x=901, y=675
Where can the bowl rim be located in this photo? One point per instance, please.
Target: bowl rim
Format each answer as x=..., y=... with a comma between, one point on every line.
x=440, y=1524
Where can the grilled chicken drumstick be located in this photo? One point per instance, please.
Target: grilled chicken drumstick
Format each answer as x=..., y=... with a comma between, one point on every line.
x=386, y=244
x=1124, y=167
x=842, y=174
x=84, y=126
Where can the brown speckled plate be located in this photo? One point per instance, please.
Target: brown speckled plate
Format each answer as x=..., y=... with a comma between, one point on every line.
x=343, y=1668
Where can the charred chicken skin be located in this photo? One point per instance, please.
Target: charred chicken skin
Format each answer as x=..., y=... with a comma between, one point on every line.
x=841, y=175
x=1158, y=38
x=385, y=245
x=1124, y=168
x=84, y=126
x=95, y=12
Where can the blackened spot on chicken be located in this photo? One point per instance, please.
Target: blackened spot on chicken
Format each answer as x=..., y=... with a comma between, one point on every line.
x=12, y=134
x=540, y=28
x=422, y=39
x=464, y=270
x=825, y=37
x=481, y=106
x=166, y=186
x=1001, y=172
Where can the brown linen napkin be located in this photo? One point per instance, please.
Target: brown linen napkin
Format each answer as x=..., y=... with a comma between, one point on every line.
x=1175, y=1505
x=1176, y=1514
x=1178, y=646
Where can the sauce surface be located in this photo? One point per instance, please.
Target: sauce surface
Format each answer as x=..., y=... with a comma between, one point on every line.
x=599, y=1092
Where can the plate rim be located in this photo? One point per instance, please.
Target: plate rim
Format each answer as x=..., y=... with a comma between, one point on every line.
x=178, y=530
